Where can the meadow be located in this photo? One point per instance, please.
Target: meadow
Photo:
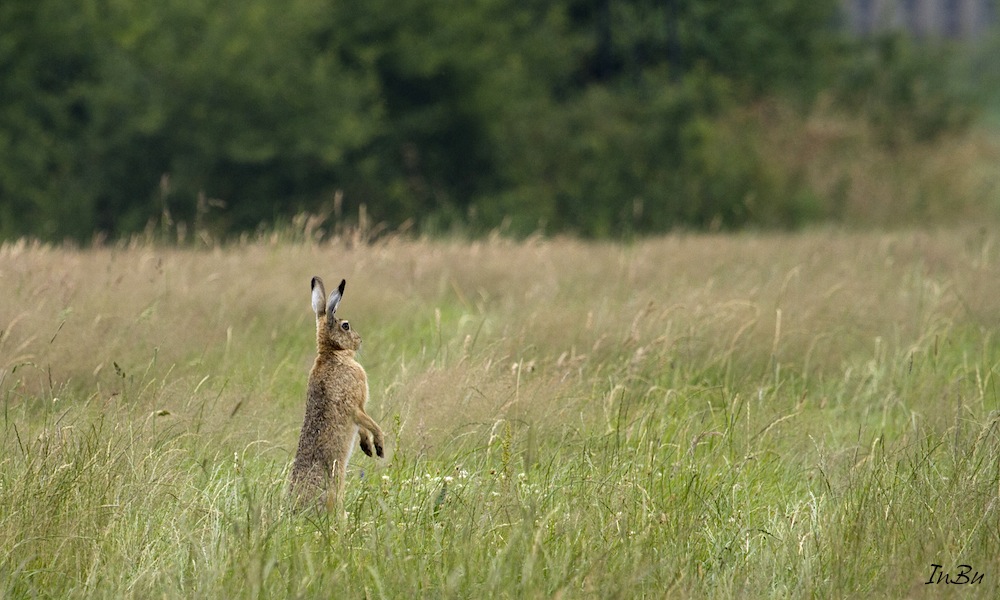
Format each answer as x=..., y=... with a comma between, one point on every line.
x=692, y=416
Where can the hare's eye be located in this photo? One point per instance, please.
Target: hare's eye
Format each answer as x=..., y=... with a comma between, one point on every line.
x=345, y=326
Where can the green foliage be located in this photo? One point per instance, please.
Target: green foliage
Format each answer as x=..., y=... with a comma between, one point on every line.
x=596, y=117
x=46, y=68
x=239, y=102
x=766, y=46
x=664, y=157
x=908, y=91
x=159, y=104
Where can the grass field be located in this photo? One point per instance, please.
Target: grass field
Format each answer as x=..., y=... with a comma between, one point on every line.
x=754, y=415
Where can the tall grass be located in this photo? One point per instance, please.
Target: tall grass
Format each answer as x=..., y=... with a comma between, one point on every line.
x=693, y=416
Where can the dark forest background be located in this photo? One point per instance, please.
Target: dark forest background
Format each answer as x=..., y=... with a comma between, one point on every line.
x=591, y=117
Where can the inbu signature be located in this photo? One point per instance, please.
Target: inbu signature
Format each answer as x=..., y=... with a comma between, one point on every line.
x=964, y=575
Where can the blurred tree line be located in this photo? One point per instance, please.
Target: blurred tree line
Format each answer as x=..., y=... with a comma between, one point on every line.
x=589, y=116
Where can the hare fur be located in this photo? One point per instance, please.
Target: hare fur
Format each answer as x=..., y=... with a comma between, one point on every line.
x=335, y=407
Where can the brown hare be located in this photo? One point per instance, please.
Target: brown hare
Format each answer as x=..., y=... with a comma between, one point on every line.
x=335, y=407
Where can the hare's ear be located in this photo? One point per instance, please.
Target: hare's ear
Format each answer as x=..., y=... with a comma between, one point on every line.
x=331, y=306
x=318, y=295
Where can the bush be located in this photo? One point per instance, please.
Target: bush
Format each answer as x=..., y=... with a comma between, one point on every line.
x=588, y=116
x=907, y=90
x=664, y=157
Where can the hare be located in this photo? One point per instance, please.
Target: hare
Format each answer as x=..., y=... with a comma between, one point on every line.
x=335, y=407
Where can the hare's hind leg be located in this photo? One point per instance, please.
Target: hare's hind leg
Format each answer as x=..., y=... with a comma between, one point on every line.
x=369, y=429
x=333, y=498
